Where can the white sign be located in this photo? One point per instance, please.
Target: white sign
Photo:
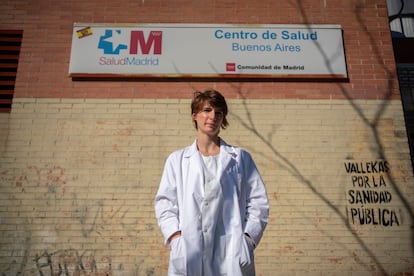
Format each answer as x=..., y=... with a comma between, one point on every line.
x=204, y=50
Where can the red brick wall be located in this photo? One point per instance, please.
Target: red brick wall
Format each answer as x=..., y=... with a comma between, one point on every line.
x=43, y=68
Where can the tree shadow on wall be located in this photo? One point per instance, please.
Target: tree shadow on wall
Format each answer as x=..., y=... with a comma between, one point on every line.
x=372, y=124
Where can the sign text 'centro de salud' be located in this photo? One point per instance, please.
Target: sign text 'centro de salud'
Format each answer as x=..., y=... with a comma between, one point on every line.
x=206, y=50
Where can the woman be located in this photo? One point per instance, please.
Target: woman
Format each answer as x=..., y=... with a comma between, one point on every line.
x=211, y=205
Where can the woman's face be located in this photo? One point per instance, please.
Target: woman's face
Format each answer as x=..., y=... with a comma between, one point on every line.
x=208, y=119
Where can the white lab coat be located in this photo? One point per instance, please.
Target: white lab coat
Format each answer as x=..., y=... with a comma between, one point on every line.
x=213, y=224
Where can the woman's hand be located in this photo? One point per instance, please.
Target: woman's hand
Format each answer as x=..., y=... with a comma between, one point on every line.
x=174, y=236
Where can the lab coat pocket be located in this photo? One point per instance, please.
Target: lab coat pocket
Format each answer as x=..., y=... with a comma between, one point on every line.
x=177, y=261
x=247, y=254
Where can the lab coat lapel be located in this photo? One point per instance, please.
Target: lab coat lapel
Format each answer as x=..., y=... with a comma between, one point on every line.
x=194, y=171
x=227, y=157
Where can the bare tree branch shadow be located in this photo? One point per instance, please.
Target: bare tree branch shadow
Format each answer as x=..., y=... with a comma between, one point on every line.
x=371, y=124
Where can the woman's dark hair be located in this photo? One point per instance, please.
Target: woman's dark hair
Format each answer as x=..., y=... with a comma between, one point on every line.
x=215, y=99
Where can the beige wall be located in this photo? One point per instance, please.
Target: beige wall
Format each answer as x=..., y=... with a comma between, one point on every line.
x=78, y=178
